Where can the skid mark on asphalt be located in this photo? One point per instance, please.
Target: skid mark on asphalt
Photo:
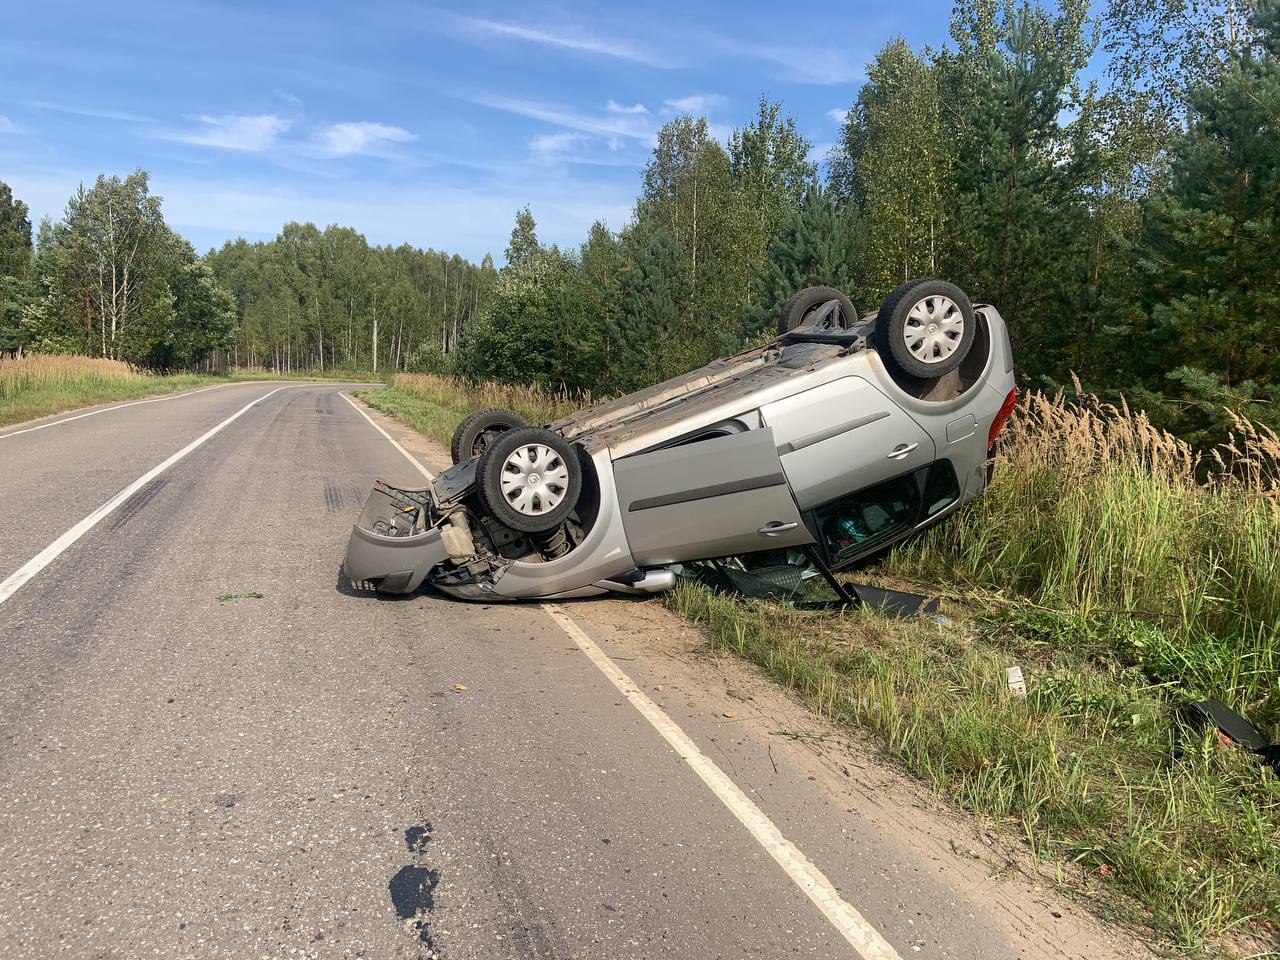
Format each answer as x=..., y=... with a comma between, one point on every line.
x=138, y=501
x=15, y=580
x=413, y=887
x=333, y=498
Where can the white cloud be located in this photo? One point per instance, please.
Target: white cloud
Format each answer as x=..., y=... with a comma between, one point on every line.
x=554, y=145
x=346, y=139
x=615, y=107
x=468, y=220
x=838, y=115
x=819, y=153
x=697, y=103
x=573, y=147
x=88, y=112
x=814, y=65
x=634, y=126
x=565, y=39
x=6, y=125
x=252, y=134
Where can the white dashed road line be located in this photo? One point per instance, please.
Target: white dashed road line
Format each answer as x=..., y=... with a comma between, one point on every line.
x=851, y=924
x=52, y=552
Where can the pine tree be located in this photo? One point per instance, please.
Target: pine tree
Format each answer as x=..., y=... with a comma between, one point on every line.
x=1210, y=256
x=650, y=334
x=815, y=246
x=16, y=288
x=1020, y=215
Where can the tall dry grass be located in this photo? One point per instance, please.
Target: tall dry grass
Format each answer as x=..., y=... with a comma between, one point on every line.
x=37, y=372
x=1095, y=511
x=39, y=385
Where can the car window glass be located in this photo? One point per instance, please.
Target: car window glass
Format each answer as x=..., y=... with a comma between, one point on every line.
x=943, y=489
x=857, y=523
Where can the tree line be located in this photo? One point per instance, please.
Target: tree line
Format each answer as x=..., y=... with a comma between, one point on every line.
x=112, y=279
x=1125, y=226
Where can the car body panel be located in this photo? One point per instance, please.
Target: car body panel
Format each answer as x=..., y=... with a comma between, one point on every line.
x=843, y=435
x=710, y=498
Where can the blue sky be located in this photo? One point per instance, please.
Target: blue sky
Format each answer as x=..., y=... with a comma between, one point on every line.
x=430, y=125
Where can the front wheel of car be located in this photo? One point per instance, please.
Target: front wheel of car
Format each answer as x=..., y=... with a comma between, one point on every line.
x=480, y=429
x=925, y=328
x=529, y=479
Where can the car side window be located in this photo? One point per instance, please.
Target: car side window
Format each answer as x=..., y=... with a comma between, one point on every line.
x=857, y=523
x=942, y=488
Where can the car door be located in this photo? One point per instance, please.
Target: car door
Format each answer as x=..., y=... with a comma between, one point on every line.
x=843, y=436
x=711, y=498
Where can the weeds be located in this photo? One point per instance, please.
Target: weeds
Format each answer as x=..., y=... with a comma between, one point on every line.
x=435, y=405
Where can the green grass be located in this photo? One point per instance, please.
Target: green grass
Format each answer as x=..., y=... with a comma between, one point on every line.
x=1112, y=791
x=1127, y=577
x=38, y=386
x=435, y=405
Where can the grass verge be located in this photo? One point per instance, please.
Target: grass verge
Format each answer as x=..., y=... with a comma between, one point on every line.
x=435, y=405
x=38, y=386
x=1127, y=576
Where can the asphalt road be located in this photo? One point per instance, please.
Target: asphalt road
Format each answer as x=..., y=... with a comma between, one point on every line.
x=210, y=746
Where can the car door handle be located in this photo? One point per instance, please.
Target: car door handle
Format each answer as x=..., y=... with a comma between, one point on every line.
x=901, y=450
x=776, y=527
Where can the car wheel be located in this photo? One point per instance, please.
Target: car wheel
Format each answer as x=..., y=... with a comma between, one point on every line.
x=804, y=303
x=529, y=479
x=925, y=328
x=480, y=429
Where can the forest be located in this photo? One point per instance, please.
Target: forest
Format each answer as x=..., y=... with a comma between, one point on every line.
x=1121, y=218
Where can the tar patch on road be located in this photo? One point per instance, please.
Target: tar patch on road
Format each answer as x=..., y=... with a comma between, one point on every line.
x=413, y=887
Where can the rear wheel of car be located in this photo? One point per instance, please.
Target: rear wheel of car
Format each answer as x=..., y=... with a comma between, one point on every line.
x=480, y=429
x=804, y=304
x=529, y=479
x=925, y=328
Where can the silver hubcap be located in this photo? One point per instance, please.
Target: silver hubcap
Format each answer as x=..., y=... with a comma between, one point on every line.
x=534, y=479
x=934, y=329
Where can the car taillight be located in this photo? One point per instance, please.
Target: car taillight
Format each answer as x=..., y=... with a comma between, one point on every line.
x=1002, y=417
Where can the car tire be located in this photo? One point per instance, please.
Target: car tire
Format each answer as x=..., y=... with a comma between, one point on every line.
x=529, y=479
x=925, y=328
x=480, y=429
x=802, y=302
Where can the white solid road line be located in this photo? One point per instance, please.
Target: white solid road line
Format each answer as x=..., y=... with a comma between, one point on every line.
x=51, y=552
x=411, y=458
x=802, y=871
x=118, y=406
x=852, y=925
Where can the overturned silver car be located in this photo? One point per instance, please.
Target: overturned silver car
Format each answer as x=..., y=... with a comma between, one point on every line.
x=839, y=438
